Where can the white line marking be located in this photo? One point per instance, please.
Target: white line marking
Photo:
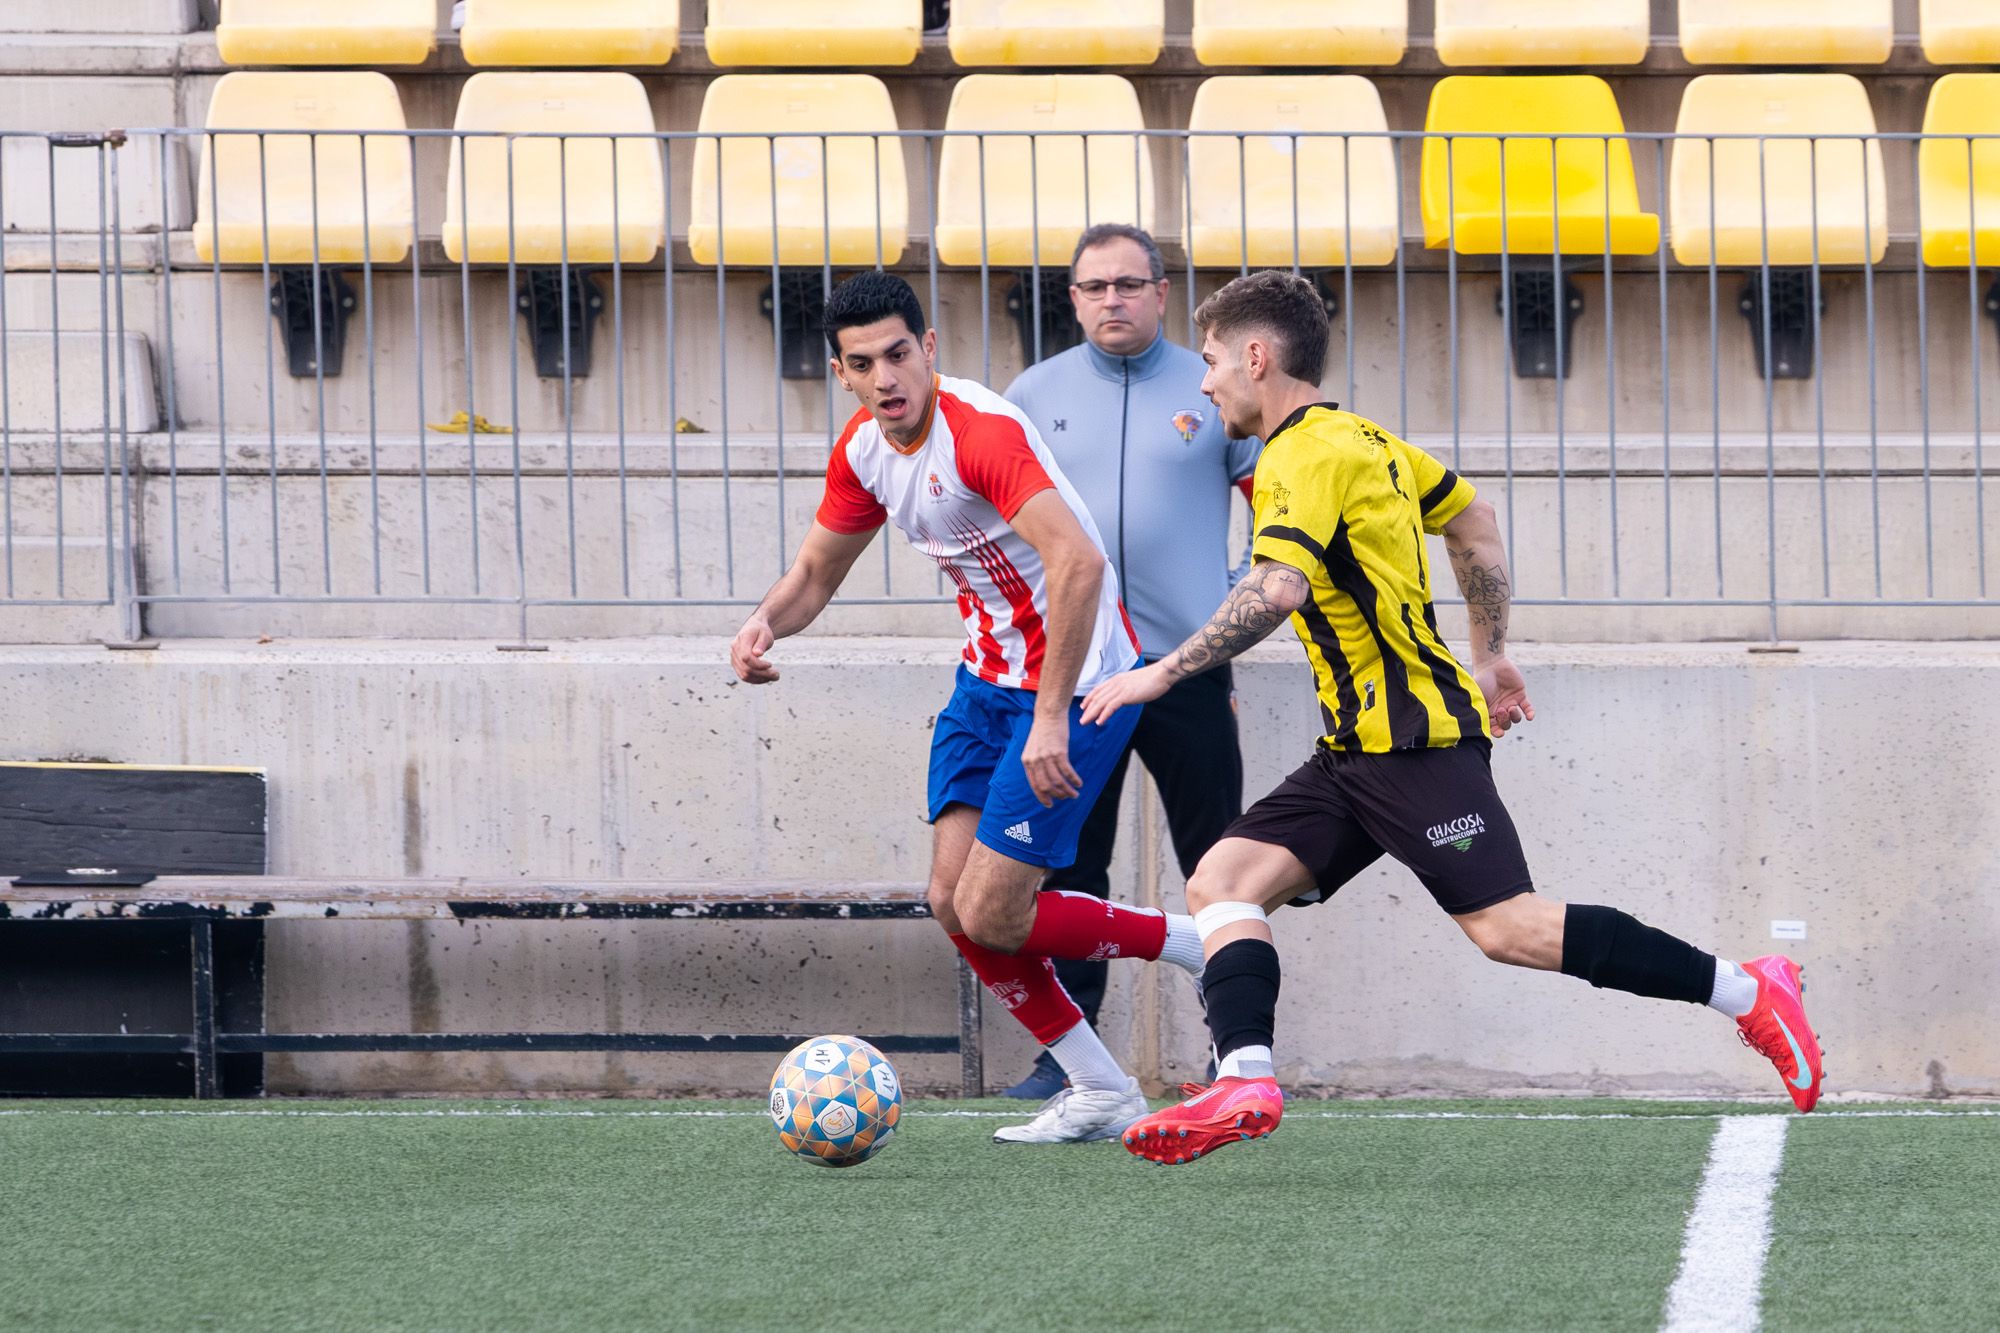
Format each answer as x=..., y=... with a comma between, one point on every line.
x=523, y=1113
x=1719, y=1287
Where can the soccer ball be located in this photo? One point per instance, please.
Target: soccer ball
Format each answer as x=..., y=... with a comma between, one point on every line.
x=835, y=1101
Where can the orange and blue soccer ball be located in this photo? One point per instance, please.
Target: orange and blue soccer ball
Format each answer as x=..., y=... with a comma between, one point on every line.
x=835, y=1101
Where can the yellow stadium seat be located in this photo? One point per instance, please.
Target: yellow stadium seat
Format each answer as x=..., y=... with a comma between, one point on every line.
x=1585, y=182
x=1764, y=188
x=311, y=32
x=477, y=210
x=305, y=179
x=1057, y=32
x=570, y=32
x=1045, y=198
x=824, y=210
x=1543, y=32
x=1958, y=180
x=812, y=32
x=1960, y=32
x=1301, y=32
x=1342, y=183
x=1786, y=32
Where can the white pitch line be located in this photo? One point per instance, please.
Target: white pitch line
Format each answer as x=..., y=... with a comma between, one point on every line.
x=523, y=1113
x=1719, y=1288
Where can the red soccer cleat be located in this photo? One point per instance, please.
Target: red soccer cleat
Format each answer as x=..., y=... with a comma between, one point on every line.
x=1227, y=1111
x=1776, y=1028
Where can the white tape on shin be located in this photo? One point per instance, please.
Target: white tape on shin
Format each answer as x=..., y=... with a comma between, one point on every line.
x=1217, y=915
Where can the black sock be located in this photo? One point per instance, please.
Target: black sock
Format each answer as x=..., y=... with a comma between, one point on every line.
x=1608, y=948
x=1240, y=986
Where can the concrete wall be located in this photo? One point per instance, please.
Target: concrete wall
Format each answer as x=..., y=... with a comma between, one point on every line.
x=1707, y=790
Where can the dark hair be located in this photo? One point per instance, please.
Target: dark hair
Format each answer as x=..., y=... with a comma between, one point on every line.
x=866, y=298
x=1120, y=231
x=1281, y=304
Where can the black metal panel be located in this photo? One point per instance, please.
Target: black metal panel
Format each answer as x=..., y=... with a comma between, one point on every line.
x=312, y=335
x=1060, y=331
x=322, y=1042
x=168, y=821
x=1532, y=322
x=1791, y=306
x=800, y=308
x=543, y=304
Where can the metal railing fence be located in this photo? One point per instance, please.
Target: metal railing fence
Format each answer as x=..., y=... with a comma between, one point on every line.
x=1642, y=481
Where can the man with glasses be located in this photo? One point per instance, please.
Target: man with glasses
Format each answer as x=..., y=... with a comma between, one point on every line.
x=1124, y=415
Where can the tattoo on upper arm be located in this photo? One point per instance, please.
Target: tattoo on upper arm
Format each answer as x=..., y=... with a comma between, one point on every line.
x=1487, y=596
x=1258, y=604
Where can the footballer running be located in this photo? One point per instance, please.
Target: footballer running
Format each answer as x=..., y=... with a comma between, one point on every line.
x=1013, y=774
x=1403, y=764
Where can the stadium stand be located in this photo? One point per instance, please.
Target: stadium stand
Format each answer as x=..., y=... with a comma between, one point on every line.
x=1576, y=195
x=291, y=198
x=303, y=32
x=300, y=200
x=1960, y=32
x=1301, y=32
x=807, y=32
x=576, y=198
x=580, y=221
x=1533, y=195
x=1057, y=32
x=799, y=195
x=821, y=209
x=561, y=32
x=1786, y=32
x=1346, y=208
x=1786, y=205
x=1781, y=201
x=1958, y=180
x=1086, y=166
x=1542, y=32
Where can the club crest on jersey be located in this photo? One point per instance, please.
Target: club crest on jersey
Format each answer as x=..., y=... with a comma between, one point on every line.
x=1188, y=421
x=935, y=487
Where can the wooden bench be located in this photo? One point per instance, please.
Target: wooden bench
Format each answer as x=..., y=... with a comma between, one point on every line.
x=204, y=900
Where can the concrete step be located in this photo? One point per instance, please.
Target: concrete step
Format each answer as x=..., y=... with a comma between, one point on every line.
x=100, y=16
x=153, y=188
x=72, y=382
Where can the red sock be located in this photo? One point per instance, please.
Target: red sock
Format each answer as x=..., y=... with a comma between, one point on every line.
x=1027, y=986
x=1076, y=925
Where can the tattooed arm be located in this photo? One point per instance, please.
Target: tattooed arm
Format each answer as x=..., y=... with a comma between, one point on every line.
x=1261, y=602
x=1479, y=559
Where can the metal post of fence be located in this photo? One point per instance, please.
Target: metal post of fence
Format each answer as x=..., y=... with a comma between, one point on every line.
x=129, y=617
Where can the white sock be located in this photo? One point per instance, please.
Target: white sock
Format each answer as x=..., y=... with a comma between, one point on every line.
x=1083, y=1057
x=1183, y=946
x=1735, y=990
x=1246, y=1062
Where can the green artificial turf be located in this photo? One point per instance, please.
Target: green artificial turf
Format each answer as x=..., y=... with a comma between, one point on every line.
x=308, y=1215
x=1886, y=1224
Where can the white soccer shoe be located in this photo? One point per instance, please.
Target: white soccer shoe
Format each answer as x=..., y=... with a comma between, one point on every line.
x=1081, y=1115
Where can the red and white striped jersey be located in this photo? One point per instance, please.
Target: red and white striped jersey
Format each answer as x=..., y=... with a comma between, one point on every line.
x=954, y=494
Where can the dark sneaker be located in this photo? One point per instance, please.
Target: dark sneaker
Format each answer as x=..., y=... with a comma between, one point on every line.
x=1044, y=1081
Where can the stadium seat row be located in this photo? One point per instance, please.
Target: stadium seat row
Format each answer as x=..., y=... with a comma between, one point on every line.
x=544, y=33
x=815, y=177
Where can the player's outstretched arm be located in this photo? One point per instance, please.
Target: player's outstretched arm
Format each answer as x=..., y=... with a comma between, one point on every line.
x=1479, y=560
x=1074, y=569
x=796, y=599
x=1261, y=602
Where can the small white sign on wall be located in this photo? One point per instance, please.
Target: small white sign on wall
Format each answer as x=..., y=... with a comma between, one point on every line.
x=1788, y=930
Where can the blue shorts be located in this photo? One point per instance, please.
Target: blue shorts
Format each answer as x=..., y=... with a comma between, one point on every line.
x=976, y=761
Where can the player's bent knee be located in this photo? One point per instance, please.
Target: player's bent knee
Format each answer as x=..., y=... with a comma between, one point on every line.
x=943, y=910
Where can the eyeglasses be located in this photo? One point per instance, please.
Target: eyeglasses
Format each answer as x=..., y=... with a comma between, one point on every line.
x=1127, y=287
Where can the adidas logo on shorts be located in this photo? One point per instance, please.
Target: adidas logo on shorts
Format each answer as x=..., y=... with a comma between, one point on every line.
x=1019, y=833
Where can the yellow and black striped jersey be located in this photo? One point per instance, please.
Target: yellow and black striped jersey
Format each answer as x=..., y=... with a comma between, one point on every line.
x=1348, y=504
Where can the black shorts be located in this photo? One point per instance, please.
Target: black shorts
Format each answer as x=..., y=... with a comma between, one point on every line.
x=1435, y=810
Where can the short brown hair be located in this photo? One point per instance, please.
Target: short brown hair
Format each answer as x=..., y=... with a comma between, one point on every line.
x=1281, y=304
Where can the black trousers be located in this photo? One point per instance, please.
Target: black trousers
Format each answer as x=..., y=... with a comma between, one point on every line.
x=1186, y=738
